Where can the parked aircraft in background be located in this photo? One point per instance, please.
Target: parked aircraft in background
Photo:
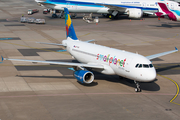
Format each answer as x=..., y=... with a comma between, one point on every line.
x=110, y=8
x=103, y=59
x=166, y=12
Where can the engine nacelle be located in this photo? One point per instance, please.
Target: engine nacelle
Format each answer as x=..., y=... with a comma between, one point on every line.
x=135, y=13
x=84, y=76
x=40, y=4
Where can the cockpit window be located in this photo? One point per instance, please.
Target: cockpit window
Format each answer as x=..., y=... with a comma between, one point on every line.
x=137, y=65
x=145, y=66
x=140, y=66
x=150, y=65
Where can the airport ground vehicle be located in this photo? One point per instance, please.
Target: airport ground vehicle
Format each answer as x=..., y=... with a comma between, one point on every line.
x=32, y=11
x=31, y=20
x=45, y=11
x=24, y=19
x=40, y=21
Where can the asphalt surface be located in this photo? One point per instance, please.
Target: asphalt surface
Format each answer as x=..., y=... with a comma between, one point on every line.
x=35, y=91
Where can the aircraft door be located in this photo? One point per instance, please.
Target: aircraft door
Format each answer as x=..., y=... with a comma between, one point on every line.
x=75, y=6
x=127, y=65
x=172, y=6
x=143, y=4
x=68, y=5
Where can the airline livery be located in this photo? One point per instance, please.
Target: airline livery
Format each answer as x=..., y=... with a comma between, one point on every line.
x=110, y=8
x=166, y=12
x=103, y=59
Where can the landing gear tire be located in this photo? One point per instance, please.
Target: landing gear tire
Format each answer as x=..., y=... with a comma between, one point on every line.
x=121, y=77
x=54, y=16
x=137, y=89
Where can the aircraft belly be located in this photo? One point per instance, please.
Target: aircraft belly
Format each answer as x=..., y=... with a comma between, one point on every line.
x=50, y=6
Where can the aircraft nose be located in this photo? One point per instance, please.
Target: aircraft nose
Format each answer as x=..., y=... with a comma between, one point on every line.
x=151, y=75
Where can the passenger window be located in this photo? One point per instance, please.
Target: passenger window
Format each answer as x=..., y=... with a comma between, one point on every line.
x=150, y=65
x=137, y=65
x=145, y=65
x=140, y=66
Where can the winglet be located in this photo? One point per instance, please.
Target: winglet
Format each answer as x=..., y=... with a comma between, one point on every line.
x=2, y=59
x=71, y=69
x=61, y=50
x=176, y=49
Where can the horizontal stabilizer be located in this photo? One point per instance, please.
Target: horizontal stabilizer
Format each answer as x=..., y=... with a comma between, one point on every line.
x=51, y=43
x=89, y=40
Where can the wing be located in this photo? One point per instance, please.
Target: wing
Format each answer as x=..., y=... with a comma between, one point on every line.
x=114, y=7
x=60, y=63
x=38, y=1
x=161, y=54
x=44, y=2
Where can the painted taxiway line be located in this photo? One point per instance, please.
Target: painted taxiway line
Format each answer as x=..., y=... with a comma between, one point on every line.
x=80, y=94
x=177, y=89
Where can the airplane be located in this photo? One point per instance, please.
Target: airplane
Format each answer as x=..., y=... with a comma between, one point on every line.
x=111, y=9
x=166, y=12
x=106, y=60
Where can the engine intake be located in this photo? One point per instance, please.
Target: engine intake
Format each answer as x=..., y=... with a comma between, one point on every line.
x=83, y=76
x=135, y=13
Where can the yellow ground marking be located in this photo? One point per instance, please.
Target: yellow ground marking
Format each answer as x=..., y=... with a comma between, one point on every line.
x=177, y=89
x=84, y=35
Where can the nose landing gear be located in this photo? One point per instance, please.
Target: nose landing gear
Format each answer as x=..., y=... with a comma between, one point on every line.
x=137, y=89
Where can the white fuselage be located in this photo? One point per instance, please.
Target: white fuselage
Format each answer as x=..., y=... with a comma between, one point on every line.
x=115, y=62
x=95, y=6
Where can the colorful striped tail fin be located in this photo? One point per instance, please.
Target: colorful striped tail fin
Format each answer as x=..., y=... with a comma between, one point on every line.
x=170, y=13
x=70, y=32
x=163, y=7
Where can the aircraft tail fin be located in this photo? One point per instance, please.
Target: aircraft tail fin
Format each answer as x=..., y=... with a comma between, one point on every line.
x=163, y=7
x=70, y=32
x=165, y=11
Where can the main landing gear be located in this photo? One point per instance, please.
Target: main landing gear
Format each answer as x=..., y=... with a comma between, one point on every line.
x=137, y=89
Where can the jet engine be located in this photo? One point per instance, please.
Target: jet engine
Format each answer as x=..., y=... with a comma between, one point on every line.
x=135, y=13
x=84, y=76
